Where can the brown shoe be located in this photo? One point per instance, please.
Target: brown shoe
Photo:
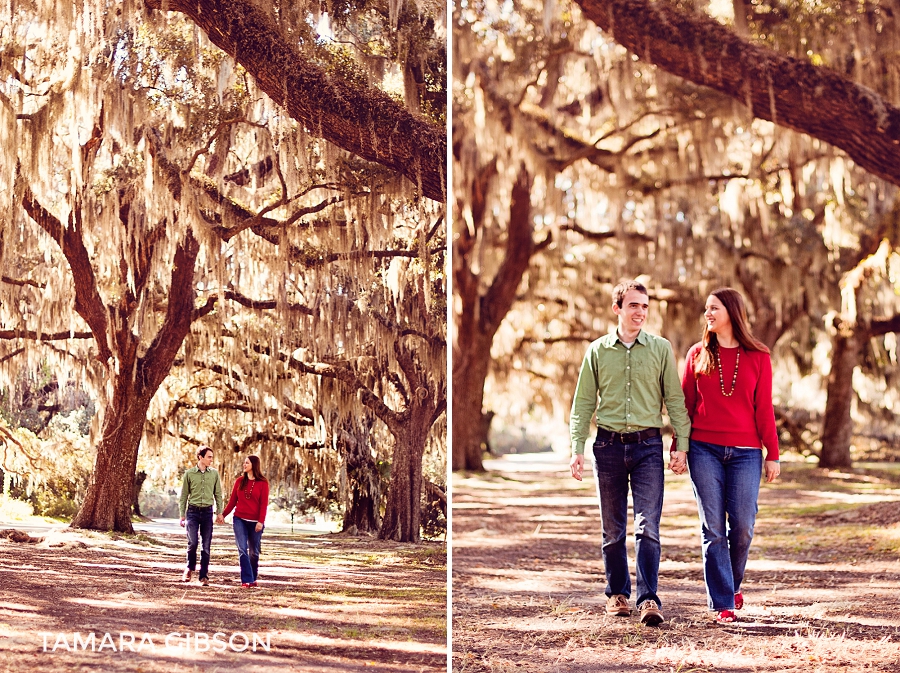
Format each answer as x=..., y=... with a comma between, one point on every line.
x=204, y=581
x=650, y=613
x=187, y=575
x=617, y=606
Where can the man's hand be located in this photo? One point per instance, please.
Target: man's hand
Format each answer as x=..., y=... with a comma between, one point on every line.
x=773, y=469
x=181, y=523
x=577, y=466
x=220, y=519
x=678, y=461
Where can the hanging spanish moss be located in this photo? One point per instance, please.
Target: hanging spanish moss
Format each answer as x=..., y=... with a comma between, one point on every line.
x=203, y=263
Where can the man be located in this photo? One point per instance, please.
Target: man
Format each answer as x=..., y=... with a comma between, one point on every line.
x=200, y=491
x=632, y=374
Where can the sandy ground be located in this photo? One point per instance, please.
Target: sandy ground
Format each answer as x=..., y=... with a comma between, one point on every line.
x=325, y=603
x=528, y=583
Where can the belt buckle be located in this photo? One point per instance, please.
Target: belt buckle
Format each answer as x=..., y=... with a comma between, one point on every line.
x=629, y=437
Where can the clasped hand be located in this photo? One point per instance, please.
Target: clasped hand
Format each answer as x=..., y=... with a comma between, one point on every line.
x=678, y=461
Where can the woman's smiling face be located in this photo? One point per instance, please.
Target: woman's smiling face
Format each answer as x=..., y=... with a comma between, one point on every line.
x=717, y=318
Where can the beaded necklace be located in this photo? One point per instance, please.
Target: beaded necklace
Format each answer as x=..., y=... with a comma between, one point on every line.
x=734, y=379
x=247, y=493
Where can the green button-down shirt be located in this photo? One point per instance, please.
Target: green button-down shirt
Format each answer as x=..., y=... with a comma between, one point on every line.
x=201, y=489
x=630, y=385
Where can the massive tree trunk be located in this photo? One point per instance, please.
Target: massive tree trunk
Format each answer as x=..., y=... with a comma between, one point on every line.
x=403, y=513
x=480, y=316
x=364, y=121
x=425, y=398
x=837, y=426
x=425, y=403
x=471, y=361
x=788, y=91
x=846, y=352
x=363, y=479
x=108, y=503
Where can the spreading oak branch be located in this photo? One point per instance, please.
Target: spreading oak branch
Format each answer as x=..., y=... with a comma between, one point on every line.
x=788, y=91
x=362, y=120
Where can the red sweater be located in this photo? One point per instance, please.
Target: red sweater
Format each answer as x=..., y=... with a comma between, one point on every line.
x=745, y=419
x=251, y=502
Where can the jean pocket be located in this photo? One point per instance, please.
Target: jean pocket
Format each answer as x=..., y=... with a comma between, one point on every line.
x=600, y=444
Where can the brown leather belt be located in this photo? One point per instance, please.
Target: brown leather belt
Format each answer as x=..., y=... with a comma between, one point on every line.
x=628, y=437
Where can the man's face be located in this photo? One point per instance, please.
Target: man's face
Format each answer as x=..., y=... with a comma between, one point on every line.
x=633, y=312
x=206, y=460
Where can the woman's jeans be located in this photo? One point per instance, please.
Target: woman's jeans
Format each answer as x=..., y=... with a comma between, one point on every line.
x=248, y=543
x=726, y=485
x=615, y=466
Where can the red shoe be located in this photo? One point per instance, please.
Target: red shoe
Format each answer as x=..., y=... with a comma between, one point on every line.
x=725, y=616
x=738, y=600
x=246, y=585
x=252, y=584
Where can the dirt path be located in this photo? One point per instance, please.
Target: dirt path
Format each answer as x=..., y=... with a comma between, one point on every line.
x=325, y=603
x=821, y=592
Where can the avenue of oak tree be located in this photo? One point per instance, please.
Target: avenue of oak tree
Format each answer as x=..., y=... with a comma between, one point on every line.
x=755, y=147
x=226, y=223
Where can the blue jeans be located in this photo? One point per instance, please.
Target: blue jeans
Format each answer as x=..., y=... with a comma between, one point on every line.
x=641, y=464
x=248, y=543
x=199, y=519
x=726, y=485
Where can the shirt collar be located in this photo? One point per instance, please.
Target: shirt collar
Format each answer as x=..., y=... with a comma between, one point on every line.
x=610, y=340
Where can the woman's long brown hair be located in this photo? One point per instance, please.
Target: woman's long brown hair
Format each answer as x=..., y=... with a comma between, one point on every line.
x=731, y=299
x=257, y=473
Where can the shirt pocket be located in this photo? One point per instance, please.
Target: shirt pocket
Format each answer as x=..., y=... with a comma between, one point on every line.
x=645, y=369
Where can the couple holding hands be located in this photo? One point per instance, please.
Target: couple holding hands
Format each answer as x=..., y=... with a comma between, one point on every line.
x=201, y=491
x=723, y=417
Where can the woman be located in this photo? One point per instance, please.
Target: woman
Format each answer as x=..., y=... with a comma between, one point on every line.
x=249, y=500
x=727, y=386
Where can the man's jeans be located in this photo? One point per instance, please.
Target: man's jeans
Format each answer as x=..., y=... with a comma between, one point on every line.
x=248, y=543
x=199, y=519
x=641, y=464
x=726, y=485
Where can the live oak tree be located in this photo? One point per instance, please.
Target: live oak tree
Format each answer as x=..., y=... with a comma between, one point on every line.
x=825, y=90
x=168, y=216
x=651, y=172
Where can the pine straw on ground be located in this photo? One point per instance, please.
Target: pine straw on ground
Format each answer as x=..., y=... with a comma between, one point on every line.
x=325, y=602
x=528, y=584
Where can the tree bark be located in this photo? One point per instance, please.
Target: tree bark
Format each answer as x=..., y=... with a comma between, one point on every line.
x=480, y=316
x=107, y=505
x=139, y=480
x=787, y=91
x=846, y=351
x=837, y=425
x=363, y=479
x=471, y=362
x=364, y=121
x=403, y=513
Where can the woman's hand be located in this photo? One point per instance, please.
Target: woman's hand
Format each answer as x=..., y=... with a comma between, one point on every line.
x=678, y=461
x=773, y=469
x=259, y=527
